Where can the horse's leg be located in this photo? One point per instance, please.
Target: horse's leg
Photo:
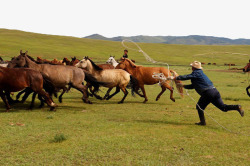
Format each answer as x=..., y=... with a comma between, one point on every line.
x=116, y=91
x=33, y=100
x=10, y=100
x=28, y=91
x=94, y=94
x=107, y=93
x=83, y=90
x=248, y=90
x=60, y=97
x=144, y=93
x=5, y=101
x=163, y=89
x=19, y=94
x=47, y=98
x=41, y=100
x=125, y=94
x=171, y=91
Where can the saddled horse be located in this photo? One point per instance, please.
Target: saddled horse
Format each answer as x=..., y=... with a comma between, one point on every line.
x=116, y=77
x=112, y=61
x=13, y=80
x=247, y=69
x=59, y=75
x=144, y=76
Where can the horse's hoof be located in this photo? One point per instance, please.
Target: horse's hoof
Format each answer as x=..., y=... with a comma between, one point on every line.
x=173, y=100
x=145, y=101
x=89, y=102
x=120, y=102
x=60, y=100
x=157, y=99
x=52, y=108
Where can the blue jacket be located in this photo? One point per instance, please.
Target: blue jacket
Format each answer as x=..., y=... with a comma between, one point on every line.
x=200, y=82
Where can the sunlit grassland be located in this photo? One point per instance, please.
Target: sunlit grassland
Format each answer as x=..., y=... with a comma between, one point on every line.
x=106, y=133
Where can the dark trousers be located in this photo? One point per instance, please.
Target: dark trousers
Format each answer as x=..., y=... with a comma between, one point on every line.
x=212, y=96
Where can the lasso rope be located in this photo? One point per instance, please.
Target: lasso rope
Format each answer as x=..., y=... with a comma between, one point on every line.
x=162, y=79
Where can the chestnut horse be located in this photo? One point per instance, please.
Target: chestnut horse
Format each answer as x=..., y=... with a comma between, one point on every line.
x=13, y=80
x=144, y=76
x=116, y=77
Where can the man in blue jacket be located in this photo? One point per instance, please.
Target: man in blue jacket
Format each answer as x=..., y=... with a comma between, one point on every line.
x=209, y=94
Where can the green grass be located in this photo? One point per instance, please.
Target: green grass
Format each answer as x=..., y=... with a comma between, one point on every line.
x=133, y=133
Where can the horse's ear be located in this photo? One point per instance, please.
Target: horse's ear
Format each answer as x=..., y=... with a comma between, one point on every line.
x=26, y=53
x=21, y=51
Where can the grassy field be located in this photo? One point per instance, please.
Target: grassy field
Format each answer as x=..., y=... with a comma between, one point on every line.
x=133, y=133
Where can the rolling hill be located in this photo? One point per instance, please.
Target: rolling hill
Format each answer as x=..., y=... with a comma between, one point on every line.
x=186, y=40
x=51, y=46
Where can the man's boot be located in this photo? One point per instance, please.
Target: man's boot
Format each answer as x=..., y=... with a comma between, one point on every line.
x=235, y=107
x=202, y=118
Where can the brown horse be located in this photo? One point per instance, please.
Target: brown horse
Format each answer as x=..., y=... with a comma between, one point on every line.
x=74, y=61
x=13, y=80
x=144, y=76
x=66, y=61
x=59, y=75
x=106, y=66
x=247, y=69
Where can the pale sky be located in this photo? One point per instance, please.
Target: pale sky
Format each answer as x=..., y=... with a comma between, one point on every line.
x=110, y=18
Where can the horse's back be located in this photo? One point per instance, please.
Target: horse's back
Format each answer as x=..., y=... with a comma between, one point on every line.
x=116, y=76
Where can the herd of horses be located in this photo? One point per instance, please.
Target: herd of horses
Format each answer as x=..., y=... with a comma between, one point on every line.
x=46, y=78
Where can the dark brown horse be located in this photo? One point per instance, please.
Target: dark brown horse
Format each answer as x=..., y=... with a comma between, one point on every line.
x=13, y=80
x=247, y=69
x=66, y=61
x=144, y=77
x=59, y=75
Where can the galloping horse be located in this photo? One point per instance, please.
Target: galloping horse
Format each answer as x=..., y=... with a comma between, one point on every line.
x=116, y=77
x=112, y=61
x=13, y=80
x=59, y=75
x=247, y=69
x=144, y=76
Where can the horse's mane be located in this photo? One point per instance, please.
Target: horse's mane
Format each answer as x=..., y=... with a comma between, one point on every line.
x=31, y=58
x=94, y=65
x=131, y=63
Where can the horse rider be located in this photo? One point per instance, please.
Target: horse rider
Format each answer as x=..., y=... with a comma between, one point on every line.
x=125, y=55
x=208, y=93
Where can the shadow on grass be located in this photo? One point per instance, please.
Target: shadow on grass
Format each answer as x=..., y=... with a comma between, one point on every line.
x=214, y=127
x=163, y=122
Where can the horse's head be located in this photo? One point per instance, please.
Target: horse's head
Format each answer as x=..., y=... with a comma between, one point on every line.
x=19, y=61
x=111, y=60
x=82, y=63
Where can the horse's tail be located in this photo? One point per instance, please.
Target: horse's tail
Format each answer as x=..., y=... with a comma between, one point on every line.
x=134, y=84
x=178, y=83
x=93, y=81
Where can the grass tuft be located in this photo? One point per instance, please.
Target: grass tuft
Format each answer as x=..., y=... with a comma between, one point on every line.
x=58, y=138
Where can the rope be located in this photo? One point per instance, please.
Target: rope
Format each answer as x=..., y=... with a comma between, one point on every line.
x=163, y=79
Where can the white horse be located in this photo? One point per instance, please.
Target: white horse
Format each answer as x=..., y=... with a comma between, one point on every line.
x=115, y=77
x=112, y=61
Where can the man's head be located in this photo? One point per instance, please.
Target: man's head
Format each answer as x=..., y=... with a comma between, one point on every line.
x=125, y=51
x=196, y=65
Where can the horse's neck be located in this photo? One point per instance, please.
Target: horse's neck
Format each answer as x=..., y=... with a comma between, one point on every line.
x=131, y=70
x=32, y=64
x=114, y=63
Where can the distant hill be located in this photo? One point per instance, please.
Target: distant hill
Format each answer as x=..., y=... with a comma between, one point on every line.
x=186, y=40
